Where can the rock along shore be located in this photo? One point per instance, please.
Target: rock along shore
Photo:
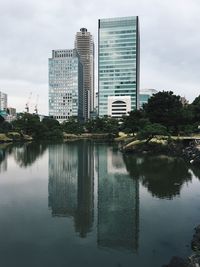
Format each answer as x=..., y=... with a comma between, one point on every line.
x=188, y=149
x=194, y=259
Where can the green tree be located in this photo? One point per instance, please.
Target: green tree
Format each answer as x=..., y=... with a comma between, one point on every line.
x=27, y=123
x=51, y=129
x=30, y=124
x=134, y=122
x=102, y=125
x=195, y=106
x=150, y=130
x=165, y=108
x=72, y=126
x=5, y=126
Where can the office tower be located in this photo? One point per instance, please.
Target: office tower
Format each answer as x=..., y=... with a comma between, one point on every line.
x=3, y=101
x=145, y=94
x=118, y=66
x=85, y=46
x=65, y=85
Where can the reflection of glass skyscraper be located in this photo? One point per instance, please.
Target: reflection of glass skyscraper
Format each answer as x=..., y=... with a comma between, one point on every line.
x=85, y=208
x=118, y=203
x=71, y=183
x=118, y=55
x=63, y=180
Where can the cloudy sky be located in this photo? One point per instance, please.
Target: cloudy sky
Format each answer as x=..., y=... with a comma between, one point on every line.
x=30, y=29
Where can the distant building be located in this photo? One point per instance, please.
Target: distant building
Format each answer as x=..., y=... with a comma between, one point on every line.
x=3, y=101
x=118, y=53
x=85, y=46
x=11, y=114
x=145, y=94
x=184, y=101
x=65, y=85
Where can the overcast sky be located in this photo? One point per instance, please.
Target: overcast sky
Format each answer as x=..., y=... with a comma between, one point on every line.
x=30, y=29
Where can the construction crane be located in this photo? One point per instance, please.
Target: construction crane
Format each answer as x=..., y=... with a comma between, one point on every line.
x=36, y=105
x=27, y=103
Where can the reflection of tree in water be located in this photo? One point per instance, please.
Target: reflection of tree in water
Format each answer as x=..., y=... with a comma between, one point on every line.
x=26, y=154
x=196, y=171
x=163, y=176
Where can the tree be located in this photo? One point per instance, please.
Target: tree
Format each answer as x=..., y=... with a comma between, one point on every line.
x=152, y=129
x=196, y=109
x=5, y=127
x=134, y=122
x=30, y=124
x=72, y=126
x=102, y=125
x=27, y=123
x=51, y=123
x=164, y=108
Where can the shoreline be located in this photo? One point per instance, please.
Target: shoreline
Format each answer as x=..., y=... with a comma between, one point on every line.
x=187, y=149
x=194, y=259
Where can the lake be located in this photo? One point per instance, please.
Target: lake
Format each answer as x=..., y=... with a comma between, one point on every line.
x=84, y=203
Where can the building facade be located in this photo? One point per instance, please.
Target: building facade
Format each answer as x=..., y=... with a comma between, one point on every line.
x=85, y=46
x=3, y=101
x=11, y=114
x=65, y=85
x=118, y=66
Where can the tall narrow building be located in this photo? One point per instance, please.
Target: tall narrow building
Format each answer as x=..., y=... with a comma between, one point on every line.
x=65, y=85
x=118, y=66
x=3, y=101
x=85, y=46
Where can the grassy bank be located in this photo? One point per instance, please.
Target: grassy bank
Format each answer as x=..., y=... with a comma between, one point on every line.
x=14, y=137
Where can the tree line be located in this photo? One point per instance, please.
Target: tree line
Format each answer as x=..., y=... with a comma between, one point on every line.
x=164, y=114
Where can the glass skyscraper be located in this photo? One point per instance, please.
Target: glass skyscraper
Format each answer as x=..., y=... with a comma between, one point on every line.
x=118, y=66
x=65, y=85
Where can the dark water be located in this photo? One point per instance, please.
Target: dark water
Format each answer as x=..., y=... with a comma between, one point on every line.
x=85, y=204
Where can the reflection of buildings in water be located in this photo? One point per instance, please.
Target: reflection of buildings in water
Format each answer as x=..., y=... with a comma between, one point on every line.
x=118, y=203
x=115, y=163
x=63, y=180
x=71, y=170
x=3, y=161
x=85, y=208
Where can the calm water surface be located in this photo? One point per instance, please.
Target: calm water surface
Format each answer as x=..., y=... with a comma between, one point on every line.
x=86, y=204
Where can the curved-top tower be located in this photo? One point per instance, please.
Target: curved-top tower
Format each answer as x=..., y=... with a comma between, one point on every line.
x=85, y=46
